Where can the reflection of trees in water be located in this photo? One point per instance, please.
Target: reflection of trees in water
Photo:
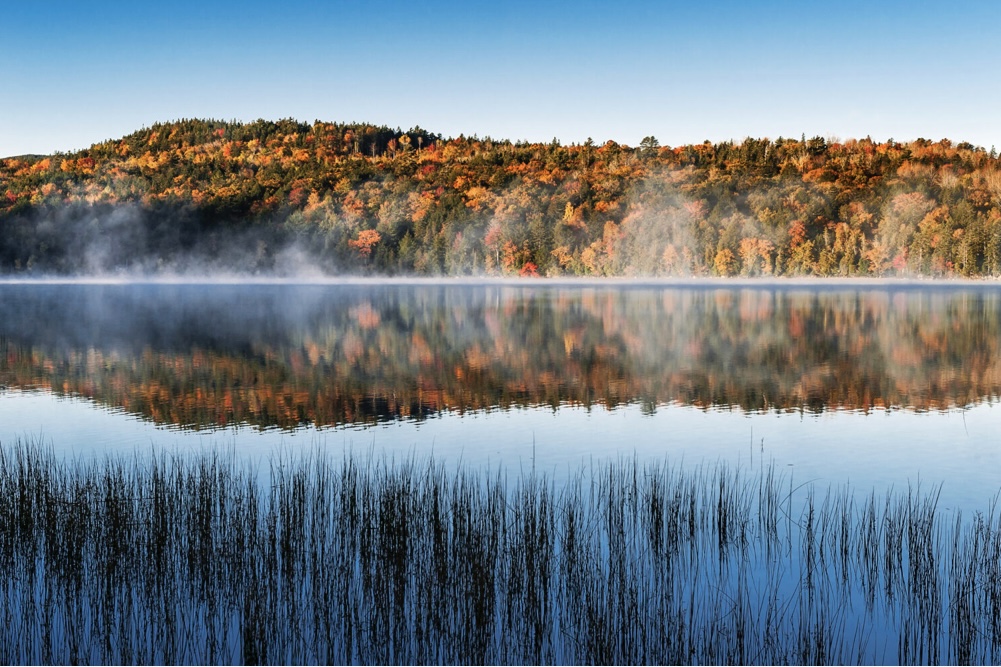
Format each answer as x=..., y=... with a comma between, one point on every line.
x=287, y=356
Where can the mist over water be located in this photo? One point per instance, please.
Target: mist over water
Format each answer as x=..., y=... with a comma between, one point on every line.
x=127, y=241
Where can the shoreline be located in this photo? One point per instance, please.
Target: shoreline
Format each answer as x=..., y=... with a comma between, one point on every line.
x=769, y=282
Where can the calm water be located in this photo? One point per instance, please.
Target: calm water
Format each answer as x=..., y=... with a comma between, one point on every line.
x=871, y=386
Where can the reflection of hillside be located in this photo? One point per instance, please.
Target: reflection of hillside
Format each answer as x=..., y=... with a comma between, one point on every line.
x=327, y=356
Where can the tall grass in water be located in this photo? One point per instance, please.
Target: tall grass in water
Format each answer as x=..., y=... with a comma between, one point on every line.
x=193, y=559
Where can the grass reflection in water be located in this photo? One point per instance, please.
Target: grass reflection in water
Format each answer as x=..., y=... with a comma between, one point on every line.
x=195, y=559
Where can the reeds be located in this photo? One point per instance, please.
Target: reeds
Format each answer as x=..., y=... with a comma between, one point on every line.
x=195, y=559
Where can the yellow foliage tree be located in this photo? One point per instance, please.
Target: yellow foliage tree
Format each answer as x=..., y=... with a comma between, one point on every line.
x=724, y=262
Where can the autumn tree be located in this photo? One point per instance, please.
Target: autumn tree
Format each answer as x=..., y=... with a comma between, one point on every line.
x=365, y=241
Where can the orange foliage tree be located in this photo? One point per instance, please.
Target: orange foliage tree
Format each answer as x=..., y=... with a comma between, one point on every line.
x=365, y=241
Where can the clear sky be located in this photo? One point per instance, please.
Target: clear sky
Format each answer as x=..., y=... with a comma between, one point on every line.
x=73, y=73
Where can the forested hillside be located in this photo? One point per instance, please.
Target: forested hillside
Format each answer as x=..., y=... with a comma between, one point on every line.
x=292, y=198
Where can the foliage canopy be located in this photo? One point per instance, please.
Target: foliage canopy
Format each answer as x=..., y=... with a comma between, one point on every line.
x=367, y=199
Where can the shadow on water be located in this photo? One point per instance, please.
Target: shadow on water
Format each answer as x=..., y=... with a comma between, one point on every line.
x=193, y=559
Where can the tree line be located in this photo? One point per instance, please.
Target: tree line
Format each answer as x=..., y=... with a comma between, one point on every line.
x=356, y=198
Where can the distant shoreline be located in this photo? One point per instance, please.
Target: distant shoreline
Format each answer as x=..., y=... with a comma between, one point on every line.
x=807, y=282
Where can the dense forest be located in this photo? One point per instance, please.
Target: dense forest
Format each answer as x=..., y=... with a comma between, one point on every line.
x=292, y=198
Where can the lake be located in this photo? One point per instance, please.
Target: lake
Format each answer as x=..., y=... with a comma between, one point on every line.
x=865, y=384
x=528, y=472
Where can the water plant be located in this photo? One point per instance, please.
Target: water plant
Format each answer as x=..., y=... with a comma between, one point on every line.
x=203, y=559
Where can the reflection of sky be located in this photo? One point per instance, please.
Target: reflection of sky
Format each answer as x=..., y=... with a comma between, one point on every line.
x=961, y=449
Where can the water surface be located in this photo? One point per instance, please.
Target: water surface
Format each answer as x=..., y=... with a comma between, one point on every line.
x=868, y=385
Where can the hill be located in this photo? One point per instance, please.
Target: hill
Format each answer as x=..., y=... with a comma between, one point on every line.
x=289, y=197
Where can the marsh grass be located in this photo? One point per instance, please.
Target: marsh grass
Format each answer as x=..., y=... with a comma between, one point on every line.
x=195, y=559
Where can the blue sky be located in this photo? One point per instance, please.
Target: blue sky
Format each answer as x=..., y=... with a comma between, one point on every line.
x=73, y=73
